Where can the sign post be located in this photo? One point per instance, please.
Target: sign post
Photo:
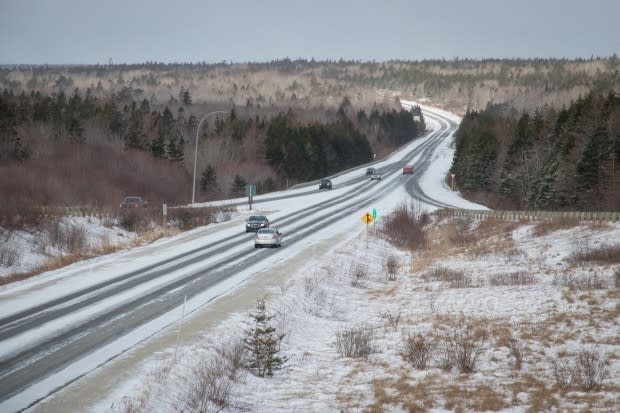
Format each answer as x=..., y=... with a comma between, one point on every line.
x=452, y=175
x=367, y=219
x=250, y=192
x=374, y=219
x=164, y=208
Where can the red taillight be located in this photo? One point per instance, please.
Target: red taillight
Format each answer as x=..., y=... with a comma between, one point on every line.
x=274, y=236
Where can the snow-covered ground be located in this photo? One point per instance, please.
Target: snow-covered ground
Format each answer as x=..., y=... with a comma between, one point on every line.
x=512, y=289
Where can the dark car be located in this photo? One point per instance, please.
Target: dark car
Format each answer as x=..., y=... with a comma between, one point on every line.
x=325, y=184
x=371, y=171
x=256, y=222
x=134, y=202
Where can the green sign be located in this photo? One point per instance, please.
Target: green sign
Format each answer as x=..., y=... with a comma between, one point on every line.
x=250, y=190
x=374, y=214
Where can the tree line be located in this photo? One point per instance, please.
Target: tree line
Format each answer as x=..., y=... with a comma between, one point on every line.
x=291, y=146
x=551, y=159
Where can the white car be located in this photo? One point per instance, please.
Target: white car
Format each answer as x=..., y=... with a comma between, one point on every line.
x=268, y=237
x=375, y=177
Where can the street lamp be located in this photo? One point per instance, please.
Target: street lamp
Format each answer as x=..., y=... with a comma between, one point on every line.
x=196, y=151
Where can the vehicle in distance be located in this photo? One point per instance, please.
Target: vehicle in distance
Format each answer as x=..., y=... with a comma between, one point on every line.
x=371, y=171
x=268, y=237
x=325, y=184
x=134, y=202
x=375, y=177
x=256, y=222
x=408, y=170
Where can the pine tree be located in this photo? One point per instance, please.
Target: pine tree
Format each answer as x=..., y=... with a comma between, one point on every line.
x=174, y=151
x=263, y=344
x=238, y=186
x=208, y=180
x=589, y=169
x=187, y=97
x=158, y=147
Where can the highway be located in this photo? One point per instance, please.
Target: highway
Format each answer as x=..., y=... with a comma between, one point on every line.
x=83, y=319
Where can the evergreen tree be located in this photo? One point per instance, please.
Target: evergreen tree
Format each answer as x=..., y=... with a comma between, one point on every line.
x=186, y=97
x=263, y=344
x=208, y=180
x=174, y=151
x=238, y=186
x=158, y=148
x=589, y=168
x=8, y=127
x=135, y=136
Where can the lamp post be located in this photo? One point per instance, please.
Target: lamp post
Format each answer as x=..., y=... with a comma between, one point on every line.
x=196, y=151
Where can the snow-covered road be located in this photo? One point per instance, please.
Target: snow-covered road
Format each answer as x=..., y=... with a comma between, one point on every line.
x=337, y=217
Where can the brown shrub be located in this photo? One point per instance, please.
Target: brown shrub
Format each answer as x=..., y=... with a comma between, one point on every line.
x=403, y=228
x=417, y=350
x=359, y=275
x=605, y=254
x=455, y=279
x=461, y=342
x=514, y=278
x=356, y=342
x=392, y=267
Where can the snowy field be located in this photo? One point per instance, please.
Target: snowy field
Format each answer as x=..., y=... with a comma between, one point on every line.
x=530, y=310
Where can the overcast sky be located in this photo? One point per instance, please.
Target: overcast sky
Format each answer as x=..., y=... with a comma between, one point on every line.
x=134, y=31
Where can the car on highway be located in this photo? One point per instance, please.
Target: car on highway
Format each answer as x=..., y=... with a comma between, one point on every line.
x=375, y=177
x=268, y=237
x=371, y=171
x=325, y=184
x=256, y=222
x=408, y=170
x=134, y=202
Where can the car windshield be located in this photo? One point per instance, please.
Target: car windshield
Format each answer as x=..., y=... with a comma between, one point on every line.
x=266, y=231
x=132, y=200
x=257, y=218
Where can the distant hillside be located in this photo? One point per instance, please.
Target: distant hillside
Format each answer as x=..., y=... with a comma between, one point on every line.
x=453, y=84
x=91, y=134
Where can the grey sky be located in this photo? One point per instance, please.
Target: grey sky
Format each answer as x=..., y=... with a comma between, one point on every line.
x=134, y=31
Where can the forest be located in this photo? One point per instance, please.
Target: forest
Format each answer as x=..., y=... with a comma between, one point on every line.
x=563, y=158
x=79, y=149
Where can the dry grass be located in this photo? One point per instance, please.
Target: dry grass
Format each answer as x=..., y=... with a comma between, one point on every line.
x=61, y=261
x=605, y=254
x=580, y=282
x=541, y=398
x=554, y=224
x=404, y=393
x=481, y=397
x=513, y=278
x=71, y=240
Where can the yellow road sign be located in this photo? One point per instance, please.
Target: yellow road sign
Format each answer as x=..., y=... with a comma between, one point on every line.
x=367, y=218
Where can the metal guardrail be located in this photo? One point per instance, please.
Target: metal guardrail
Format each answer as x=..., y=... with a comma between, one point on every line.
x=613, y=216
